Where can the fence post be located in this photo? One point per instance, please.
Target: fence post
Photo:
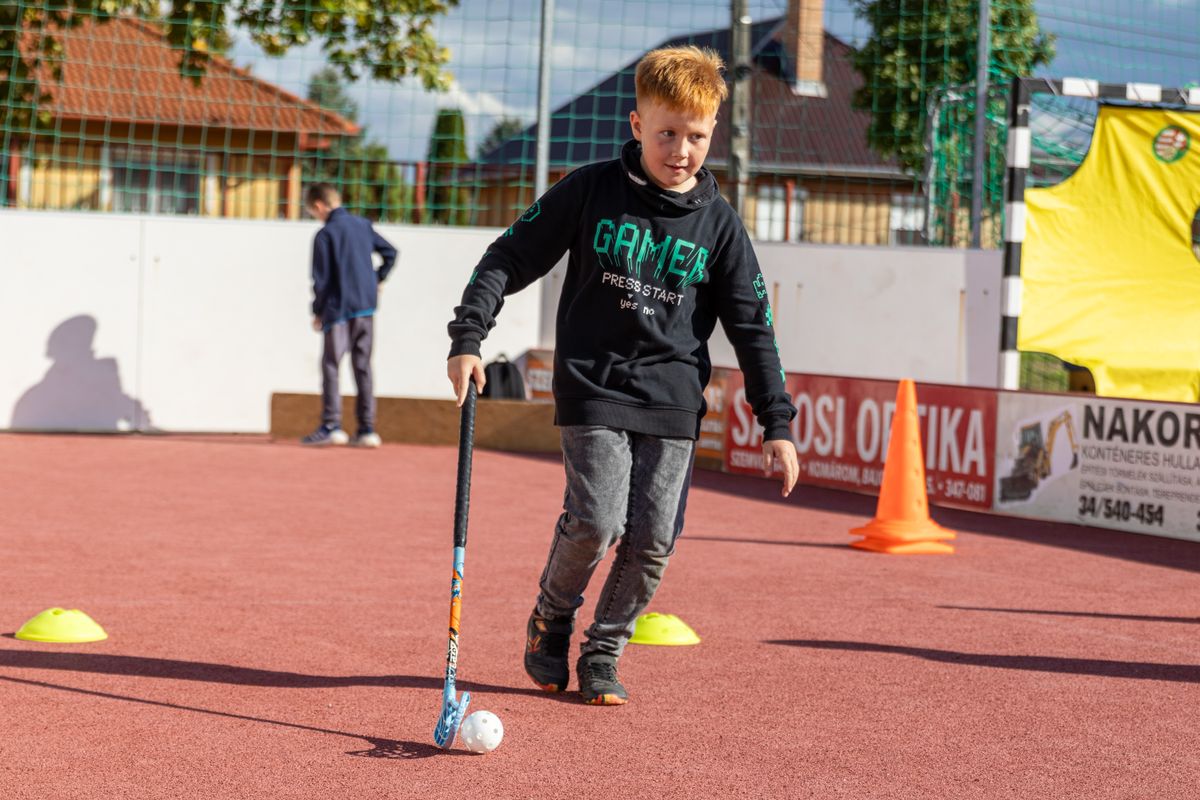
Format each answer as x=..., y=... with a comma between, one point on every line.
x=419, y=192
x=542, y=167
x=979, y=157
x=739, y=103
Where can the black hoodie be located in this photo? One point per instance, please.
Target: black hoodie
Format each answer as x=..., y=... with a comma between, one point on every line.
x=649, y=274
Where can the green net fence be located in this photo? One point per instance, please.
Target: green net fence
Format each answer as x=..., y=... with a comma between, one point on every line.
x=861, y=122
x=424, y=111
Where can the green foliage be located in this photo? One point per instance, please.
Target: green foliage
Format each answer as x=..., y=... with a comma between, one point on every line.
x=1041, y=372
x=449, y=201
x=369, y=182
x=920, y=48
x=504, y=129
x=381, y=39
x=327, y=89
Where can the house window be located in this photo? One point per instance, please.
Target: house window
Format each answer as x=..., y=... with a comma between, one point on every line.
x=907, y=224
x=155, y=181
x=771, y=210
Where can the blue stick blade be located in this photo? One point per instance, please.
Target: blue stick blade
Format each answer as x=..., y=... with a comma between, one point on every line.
x=448, y=724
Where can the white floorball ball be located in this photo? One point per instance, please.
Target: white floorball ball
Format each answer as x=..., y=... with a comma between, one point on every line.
x=481, y=732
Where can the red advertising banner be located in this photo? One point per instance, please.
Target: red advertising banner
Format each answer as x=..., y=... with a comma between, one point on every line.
x=841, y=435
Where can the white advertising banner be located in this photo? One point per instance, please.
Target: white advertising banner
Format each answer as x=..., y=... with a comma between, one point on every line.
x=1123, y=464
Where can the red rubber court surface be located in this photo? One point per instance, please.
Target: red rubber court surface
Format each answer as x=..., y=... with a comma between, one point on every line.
x=277, y=629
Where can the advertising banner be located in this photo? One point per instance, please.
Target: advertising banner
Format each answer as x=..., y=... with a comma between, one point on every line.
x=841, y=435
x=1125, y=464
x=537, y=366
x=711, y=447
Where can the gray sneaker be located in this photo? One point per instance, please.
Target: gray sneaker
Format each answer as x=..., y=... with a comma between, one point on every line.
x=325, y=436
x=598, y=681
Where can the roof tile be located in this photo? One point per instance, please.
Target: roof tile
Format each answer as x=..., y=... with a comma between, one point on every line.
x=124, y=70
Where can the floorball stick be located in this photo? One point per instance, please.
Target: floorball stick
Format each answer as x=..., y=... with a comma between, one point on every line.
x=454, y=710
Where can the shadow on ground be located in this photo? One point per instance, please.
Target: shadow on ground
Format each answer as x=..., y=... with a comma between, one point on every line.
x=776, y=542
x=141, y=667
x=1103, y=668
x=1090, y=614
x=379, y=747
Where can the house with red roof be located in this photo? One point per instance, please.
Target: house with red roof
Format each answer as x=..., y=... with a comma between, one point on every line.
x=813, y=177
x=129, y=133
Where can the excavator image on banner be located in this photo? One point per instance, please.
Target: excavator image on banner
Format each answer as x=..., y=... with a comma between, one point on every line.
x=1032, y=465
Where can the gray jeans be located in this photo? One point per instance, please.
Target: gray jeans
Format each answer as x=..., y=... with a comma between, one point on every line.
x=354, y=335
x=623, y=488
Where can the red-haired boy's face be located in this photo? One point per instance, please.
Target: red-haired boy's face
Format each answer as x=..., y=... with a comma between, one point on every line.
x=674, y=143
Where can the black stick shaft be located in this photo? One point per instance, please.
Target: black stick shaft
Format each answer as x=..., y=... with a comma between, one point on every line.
x=466, y=447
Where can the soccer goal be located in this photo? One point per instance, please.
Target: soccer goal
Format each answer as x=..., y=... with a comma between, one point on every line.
x=1100, y=266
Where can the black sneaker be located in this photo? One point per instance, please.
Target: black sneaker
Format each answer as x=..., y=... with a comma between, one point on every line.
x=547, y=643
x=598, y=681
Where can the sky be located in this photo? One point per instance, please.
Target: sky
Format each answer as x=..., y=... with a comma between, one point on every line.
x=494, y=53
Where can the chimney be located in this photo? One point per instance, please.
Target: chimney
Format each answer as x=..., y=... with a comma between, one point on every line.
x=804, y=38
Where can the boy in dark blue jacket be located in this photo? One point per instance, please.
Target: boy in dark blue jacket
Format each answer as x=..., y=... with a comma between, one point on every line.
x=345, y=293
x=656, y=259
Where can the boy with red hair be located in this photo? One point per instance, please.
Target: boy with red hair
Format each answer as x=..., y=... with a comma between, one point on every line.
x=657, y=258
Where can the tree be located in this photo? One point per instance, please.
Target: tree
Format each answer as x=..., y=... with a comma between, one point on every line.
x=504, y=129
x=326, y=89
x=449, y=201
x=383, y=39
x=369, y=182
x=911, y=55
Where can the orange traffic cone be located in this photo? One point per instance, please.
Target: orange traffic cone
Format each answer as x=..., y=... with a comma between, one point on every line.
x=902, y=524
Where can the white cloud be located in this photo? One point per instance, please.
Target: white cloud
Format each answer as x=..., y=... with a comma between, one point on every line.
x=485, y=103
x=405, y=122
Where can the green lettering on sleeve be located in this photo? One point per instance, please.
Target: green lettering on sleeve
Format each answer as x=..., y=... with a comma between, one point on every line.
x=532, y=212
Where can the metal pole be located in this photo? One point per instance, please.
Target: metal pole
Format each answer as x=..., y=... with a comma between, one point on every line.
x=542, y=167
x=1018, y=157
x=739, y=106
x=982, y=57
x=932, y=123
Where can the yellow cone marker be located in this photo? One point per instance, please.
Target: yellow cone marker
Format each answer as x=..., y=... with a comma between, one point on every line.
x=61, y=625
x=663, y=629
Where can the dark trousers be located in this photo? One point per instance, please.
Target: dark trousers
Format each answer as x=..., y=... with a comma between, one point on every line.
x=353, y=335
